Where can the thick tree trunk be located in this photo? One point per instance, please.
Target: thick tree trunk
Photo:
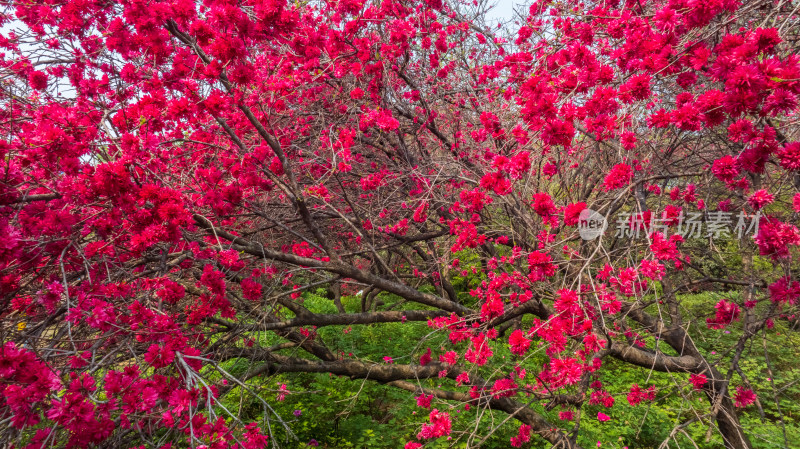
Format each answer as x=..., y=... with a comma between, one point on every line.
x=724, y=412
x=728, y=424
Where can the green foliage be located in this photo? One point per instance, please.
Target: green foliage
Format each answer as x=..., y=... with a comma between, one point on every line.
x=339, y=412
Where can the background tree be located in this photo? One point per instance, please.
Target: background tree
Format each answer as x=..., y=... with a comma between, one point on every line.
x=198, y=199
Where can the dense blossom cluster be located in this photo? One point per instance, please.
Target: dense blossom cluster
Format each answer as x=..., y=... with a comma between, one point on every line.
x=178, y=175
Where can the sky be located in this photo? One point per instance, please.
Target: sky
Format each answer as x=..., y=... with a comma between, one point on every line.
x=504, y=9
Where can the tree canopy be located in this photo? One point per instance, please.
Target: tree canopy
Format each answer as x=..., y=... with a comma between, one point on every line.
x=201, y=200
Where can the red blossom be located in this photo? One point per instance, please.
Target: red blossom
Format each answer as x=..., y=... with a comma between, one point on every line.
x=38, y=80
x=726, y=313
x=426, y=358
x=523, y=436
x=439, y=426
x=760, y=198
x=790, y=156
x=743, y=396
x=775, y=238
x=784, y=290
x=638, y=394
x=619, y=176
x=424, y=400
x=518, y=342
x=698, y=381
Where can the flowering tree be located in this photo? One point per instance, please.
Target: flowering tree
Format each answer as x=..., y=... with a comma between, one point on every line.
x=177, y=176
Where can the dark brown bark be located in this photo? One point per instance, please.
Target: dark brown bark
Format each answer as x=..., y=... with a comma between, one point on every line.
x=400, y=376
